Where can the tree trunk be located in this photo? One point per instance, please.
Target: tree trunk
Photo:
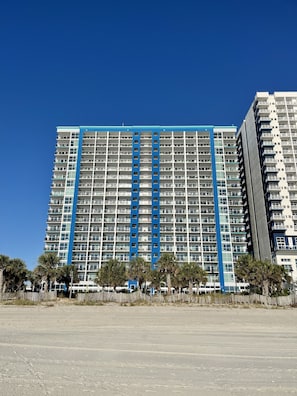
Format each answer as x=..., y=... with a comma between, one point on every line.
x=190, y=287
x=46, y=285
x=168, y=279
x=1, y=280
x=265, y=288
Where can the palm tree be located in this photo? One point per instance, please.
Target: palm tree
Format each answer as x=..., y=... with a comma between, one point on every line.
x=261, y=275
x=4, y=262
x=67, y=274
x=155, y=279
x=167, y=265
x=193, y=273
x=281, y=278
x=15, y=275
x=140, y=270
x=178, y=281
x=243, y=267
x=47, y=268
x=113, y=274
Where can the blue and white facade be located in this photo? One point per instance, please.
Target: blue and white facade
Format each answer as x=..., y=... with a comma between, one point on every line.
x=123, y=192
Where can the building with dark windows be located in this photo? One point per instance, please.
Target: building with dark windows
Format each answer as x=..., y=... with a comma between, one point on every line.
x=267, y=147
x=123, y=192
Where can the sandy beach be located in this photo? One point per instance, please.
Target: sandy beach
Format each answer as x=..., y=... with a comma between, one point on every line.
x=55, y=349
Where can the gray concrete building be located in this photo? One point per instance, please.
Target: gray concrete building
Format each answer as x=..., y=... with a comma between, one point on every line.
x=267, y=147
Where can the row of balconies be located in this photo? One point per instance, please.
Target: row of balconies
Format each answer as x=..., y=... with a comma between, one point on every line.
x=164, y=230
x=125, y=257
x=122, y=229
x=163, y=173
x=192, y=246
x=91, y=156
x=121, y=203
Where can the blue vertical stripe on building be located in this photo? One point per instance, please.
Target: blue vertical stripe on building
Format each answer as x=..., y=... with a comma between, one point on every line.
x=135, y=186
x=155, y=223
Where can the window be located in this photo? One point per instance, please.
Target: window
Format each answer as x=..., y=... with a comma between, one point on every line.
x=280, y=242
x=227, y=247
x=228, y=267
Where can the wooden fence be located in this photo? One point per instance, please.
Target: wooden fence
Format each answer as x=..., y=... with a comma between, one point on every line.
x=176, y=298
x=211, y=299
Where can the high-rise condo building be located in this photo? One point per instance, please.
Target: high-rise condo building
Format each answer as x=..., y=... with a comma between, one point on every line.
x=123, y=192
x=267, y=144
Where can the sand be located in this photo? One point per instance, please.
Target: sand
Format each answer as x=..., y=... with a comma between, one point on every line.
x=162, y=350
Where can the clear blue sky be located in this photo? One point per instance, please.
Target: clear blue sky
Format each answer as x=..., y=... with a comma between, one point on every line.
x=133, y=61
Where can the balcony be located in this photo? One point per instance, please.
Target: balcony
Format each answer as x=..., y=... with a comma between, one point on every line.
x=264, y=127
x=266, y=143
x=274, y=197
x=285, y=247
x=263, y=111
x=268, y=152
x=283, y=126
x=292, y=178
x=277, y=227
x=273, y=188
x=286, y=144
x=286, y=151
x=272, y=178
x=292, y=187
x=264, y=119
x=275, y=207
x=261, y=103
x=289, y=160
x=270, y=169
x=277, y=217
